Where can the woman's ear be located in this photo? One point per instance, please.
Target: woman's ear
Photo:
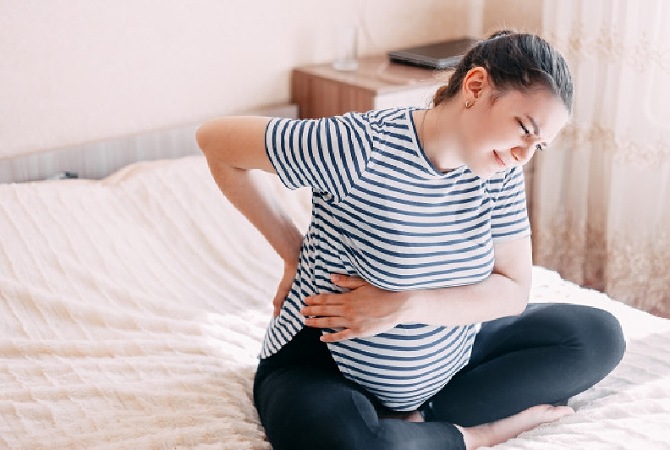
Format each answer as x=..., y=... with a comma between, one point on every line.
x=475, y=83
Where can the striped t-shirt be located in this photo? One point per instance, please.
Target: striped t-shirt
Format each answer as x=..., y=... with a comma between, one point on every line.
x=382, y=211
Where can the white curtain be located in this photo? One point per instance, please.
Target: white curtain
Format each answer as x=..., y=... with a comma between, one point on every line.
x=601, y=193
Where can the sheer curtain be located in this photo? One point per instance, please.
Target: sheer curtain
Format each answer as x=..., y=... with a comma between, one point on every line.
x=601, y=193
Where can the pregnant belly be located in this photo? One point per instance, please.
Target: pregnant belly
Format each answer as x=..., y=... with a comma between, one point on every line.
x=407, y=365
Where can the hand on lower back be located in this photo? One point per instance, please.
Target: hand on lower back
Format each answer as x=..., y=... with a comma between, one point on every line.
x=284, y=286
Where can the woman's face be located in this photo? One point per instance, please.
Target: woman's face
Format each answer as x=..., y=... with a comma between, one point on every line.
x=505, y=132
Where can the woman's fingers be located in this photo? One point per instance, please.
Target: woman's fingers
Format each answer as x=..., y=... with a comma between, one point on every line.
x=322, y=310
x=284, y=287
x=358, y=312
x=326, y=322
x=342, y=335
x=278, y=301
x=348, y=282
x=282, y=291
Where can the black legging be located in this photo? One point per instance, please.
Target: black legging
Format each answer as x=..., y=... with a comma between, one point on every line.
x=544, y=356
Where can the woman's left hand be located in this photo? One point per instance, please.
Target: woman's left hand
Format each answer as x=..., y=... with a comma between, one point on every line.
x=364, y=311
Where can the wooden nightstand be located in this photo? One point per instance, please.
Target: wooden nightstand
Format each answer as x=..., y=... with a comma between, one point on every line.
x=321, y=91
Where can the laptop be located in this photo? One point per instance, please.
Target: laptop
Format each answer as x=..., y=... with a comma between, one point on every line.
x=438, y=55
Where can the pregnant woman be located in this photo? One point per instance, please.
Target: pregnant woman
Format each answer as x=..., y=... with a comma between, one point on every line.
x=402, y=319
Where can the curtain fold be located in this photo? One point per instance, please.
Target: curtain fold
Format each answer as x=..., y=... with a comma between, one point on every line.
x=601, y=193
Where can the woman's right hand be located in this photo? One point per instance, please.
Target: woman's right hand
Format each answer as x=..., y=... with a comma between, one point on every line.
x=235, y=150
x=290, y=270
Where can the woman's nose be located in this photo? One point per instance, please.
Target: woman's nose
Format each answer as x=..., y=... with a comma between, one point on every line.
x=523, y=154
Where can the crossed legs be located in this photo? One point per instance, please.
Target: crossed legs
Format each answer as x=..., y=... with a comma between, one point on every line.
x=519, y=367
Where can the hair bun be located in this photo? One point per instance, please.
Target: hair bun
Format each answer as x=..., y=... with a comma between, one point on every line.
x=501, y=33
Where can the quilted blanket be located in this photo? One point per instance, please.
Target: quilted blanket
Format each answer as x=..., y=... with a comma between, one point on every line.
x=132, y=310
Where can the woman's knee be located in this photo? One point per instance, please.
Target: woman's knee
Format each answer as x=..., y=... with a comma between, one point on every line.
x=330, y=418
x=353, y=424
x=596, y=334
x=604, y=333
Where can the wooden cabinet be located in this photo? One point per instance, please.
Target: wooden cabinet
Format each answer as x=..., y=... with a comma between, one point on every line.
x=321, y=91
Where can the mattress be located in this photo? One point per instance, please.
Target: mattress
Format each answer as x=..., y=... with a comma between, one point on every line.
x=132, y=310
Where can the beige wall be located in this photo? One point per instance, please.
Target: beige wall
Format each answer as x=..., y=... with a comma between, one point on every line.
x=73, y=71
x=520, y=15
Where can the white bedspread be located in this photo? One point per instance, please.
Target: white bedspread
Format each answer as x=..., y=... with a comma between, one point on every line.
x=132, y=310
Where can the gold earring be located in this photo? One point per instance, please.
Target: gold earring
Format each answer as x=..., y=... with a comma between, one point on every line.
x=469, y=104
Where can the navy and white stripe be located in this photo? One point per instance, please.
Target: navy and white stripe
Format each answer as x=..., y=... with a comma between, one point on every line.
x=382, y=211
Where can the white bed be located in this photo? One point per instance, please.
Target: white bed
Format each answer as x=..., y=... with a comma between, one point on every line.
x=132, y=310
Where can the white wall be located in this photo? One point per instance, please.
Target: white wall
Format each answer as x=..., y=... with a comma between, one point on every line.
x=74, y=71
x=520, y=15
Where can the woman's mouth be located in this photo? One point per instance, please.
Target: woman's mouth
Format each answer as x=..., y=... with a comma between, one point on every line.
x=499, y=159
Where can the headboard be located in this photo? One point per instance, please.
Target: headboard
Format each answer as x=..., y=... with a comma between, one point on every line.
x=95, y=160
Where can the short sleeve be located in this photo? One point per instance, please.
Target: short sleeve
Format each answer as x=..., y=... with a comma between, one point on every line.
x=510, y=216
x=327, y=155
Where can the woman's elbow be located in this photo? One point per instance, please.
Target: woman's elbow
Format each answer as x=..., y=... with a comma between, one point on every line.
x=520, y=306
x=238, y=142
x=204, y=137
x=521, y=299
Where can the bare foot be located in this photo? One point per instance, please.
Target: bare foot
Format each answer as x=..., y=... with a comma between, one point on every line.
x=493, y=433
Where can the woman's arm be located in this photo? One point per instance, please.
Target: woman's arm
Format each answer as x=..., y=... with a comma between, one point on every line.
x=367, y=310
x=235, y=152
x=504, y=293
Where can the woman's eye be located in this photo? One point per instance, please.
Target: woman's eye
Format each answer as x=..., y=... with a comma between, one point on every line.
x=523, y=127
x=526, y=132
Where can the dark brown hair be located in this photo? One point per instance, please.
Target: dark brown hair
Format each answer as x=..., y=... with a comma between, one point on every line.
x=514, y=61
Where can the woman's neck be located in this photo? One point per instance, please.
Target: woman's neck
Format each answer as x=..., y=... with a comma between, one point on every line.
x=439, y=136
